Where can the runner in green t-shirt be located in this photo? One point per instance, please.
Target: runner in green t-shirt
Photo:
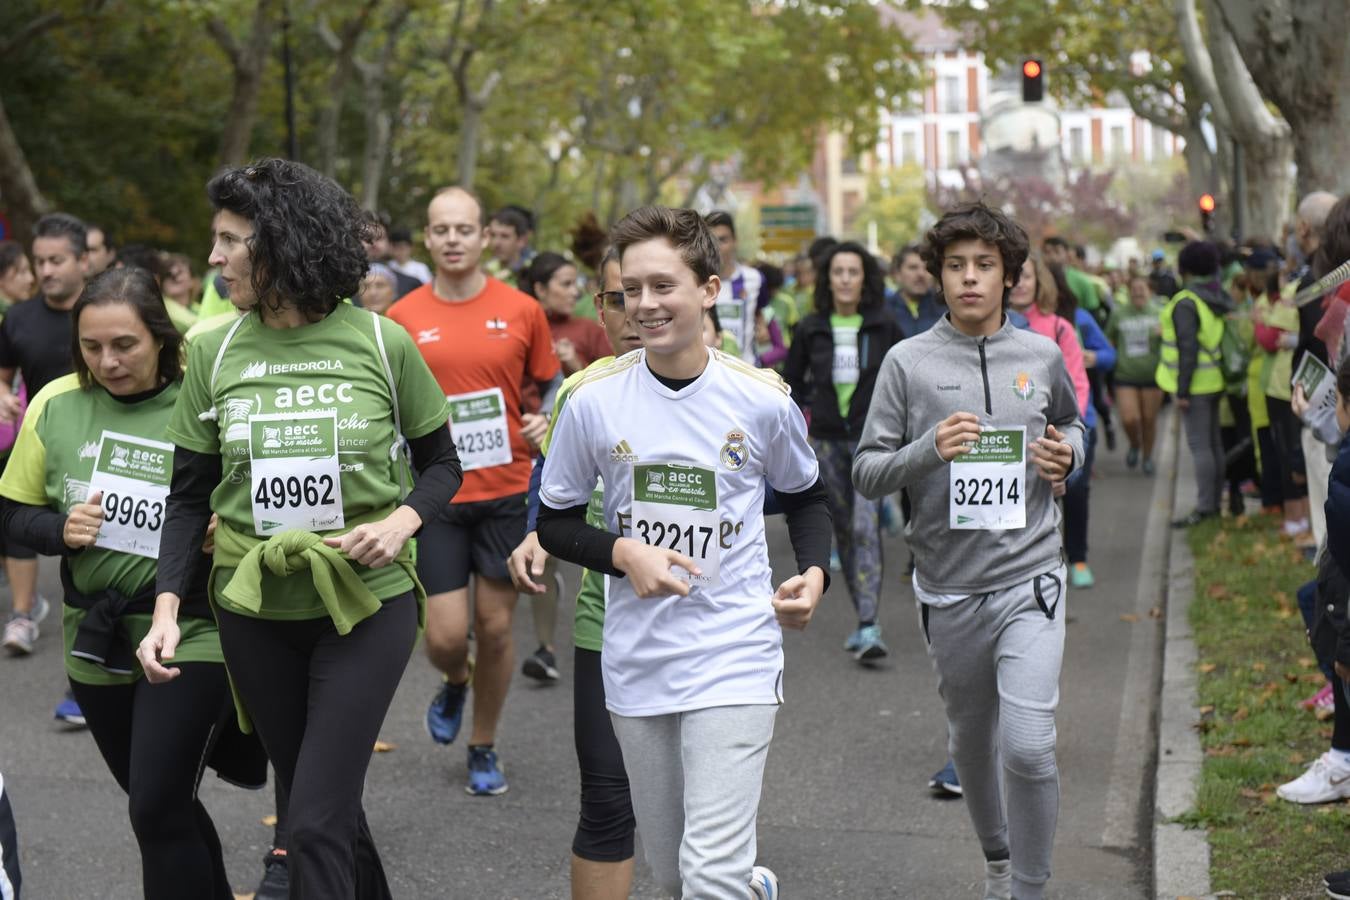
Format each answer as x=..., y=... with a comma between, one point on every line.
x=1136, y=332
x=602, y=849
x=87, y=481
x=291, y=425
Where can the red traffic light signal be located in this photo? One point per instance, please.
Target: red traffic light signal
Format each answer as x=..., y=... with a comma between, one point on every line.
x=1033, y=81
x=1207, y=203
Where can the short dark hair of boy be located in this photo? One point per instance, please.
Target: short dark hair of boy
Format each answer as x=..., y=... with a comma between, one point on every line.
x=685, y=229
x=58, y=225
x=1055, y=241
x=721, y=217
x=905, y=253
x=977, y=222
x=1198, y=259
x=517, y=218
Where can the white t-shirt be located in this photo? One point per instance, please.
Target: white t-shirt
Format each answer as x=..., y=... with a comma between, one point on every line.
x=412, y=268
x=736, y=308
x=721, y=645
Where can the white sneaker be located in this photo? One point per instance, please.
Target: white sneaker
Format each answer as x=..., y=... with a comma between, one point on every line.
x=1327, y=779
x=998, y=879
x=40, y=609
x=21, y=633
x=763, y=884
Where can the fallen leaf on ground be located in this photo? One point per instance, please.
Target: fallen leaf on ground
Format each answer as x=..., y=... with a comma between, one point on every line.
x=1206, y=668
x=1155, y=613
x=1129, y=617
x=269, y=821
x=1258, y=667
x=385, y=746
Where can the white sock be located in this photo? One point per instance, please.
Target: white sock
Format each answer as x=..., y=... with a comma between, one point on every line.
x=1342, y=757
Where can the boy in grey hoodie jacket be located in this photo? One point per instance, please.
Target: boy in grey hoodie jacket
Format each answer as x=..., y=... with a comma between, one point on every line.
x=977, y=420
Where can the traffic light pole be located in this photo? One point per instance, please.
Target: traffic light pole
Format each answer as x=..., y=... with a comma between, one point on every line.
x=1239, y=193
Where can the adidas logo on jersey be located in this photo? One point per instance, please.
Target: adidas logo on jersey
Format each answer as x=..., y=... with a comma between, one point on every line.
x=623, y=453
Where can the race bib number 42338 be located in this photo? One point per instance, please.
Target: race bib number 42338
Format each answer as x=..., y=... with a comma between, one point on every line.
x=478, y=424
x=989, y=484
x=132, y=474
x=294, y=457
x=675, y=506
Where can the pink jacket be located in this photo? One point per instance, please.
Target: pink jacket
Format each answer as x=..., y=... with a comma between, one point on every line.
x=1059, y=330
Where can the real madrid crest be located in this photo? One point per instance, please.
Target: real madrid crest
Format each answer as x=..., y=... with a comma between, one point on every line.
x=734, y=455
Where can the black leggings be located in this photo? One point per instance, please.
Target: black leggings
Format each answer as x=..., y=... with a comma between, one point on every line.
x=606, y=824
x=318, y=700
x=153, y=738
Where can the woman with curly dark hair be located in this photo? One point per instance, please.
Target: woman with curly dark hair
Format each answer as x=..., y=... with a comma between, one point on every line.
x=832, y=366
x=291, y=426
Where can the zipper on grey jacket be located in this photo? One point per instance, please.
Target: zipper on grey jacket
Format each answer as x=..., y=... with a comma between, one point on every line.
x=984, y=373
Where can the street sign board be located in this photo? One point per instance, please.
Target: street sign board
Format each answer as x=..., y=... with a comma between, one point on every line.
x=786, y=229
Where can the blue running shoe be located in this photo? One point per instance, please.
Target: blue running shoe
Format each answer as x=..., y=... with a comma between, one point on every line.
x=945, y=783
x=445, y=715
x=870, y=645
x=68, y=711
x=853, y=642
x=485, y=776
x=763, y=883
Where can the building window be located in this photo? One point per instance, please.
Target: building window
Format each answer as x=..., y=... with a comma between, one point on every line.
x=849, y=165
x=1075, y=145
x=953, y=100
x=953, y=149
x=1117, y=142
x=909, y=148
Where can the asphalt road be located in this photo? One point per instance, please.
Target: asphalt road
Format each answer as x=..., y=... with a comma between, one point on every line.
x=846, y=812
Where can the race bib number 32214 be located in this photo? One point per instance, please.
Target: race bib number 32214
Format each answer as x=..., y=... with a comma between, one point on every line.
x=294, y=457
x=132, y=474
x=989, y=484
x=675, y=506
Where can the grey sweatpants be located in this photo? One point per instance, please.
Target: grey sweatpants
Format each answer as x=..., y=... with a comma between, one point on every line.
x=1204, y=439
x=695, y=779
x=997, y=658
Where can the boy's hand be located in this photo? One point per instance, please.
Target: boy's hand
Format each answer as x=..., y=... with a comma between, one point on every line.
x=1052, y=455
x=957, y=435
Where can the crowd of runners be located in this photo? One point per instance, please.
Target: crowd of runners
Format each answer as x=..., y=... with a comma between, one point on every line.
x=265, y=486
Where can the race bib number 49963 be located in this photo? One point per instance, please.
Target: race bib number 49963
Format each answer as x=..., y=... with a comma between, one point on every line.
x=989, y=484
x=675, y=506
x=294, y=457
x=132, y=474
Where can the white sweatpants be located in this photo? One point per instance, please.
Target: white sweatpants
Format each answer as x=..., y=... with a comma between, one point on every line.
x=695, y=779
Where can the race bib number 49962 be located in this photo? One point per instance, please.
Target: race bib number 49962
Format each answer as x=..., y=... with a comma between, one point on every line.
x=989, y=484
x=132, y=474
x=675, y=506
x=294, y=457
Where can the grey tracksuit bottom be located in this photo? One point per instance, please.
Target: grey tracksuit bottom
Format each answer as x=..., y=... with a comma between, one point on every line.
x=997, y=658
x=695, y=779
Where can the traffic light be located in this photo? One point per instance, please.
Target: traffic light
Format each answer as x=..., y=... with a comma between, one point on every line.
x=1207, y=205
x=1033, y=81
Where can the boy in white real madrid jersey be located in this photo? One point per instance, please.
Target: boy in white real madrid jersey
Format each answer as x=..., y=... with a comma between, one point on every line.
x=977, y=419
x=685, y=439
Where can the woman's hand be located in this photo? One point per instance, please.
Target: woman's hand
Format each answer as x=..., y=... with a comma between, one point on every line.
x=648, y=568
x=533, y=427
x=377, y=544
x=83, y=522
x=567, y=355
x=526, y=563
x=209, y=542
x=161, y=641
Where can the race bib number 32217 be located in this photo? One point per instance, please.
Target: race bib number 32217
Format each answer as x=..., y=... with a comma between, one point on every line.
x=294, y=457
x=675, y=506
x=132, y=474
x=989, y=484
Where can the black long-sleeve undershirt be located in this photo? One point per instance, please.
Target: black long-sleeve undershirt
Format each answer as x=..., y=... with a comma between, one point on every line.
x=565, y=533
x=196, y=475
x=40, y=528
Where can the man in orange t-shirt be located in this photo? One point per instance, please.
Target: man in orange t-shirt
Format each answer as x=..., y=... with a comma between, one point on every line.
x=482, y=340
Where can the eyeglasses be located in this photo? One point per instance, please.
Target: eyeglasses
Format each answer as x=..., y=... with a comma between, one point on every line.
x=612, y=300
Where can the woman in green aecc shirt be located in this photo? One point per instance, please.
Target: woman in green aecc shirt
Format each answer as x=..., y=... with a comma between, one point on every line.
x=87, y=482
x=290, y=427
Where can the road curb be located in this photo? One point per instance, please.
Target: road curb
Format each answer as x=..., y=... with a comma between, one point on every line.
x=1180, y=855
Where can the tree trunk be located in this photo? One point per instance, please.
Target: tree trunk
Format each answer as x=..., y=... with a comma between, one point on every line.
x=248, y=62
x=379, y=127
x=1296, y=53
x=328, y=118
x=470, y=121
x=23, y=200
